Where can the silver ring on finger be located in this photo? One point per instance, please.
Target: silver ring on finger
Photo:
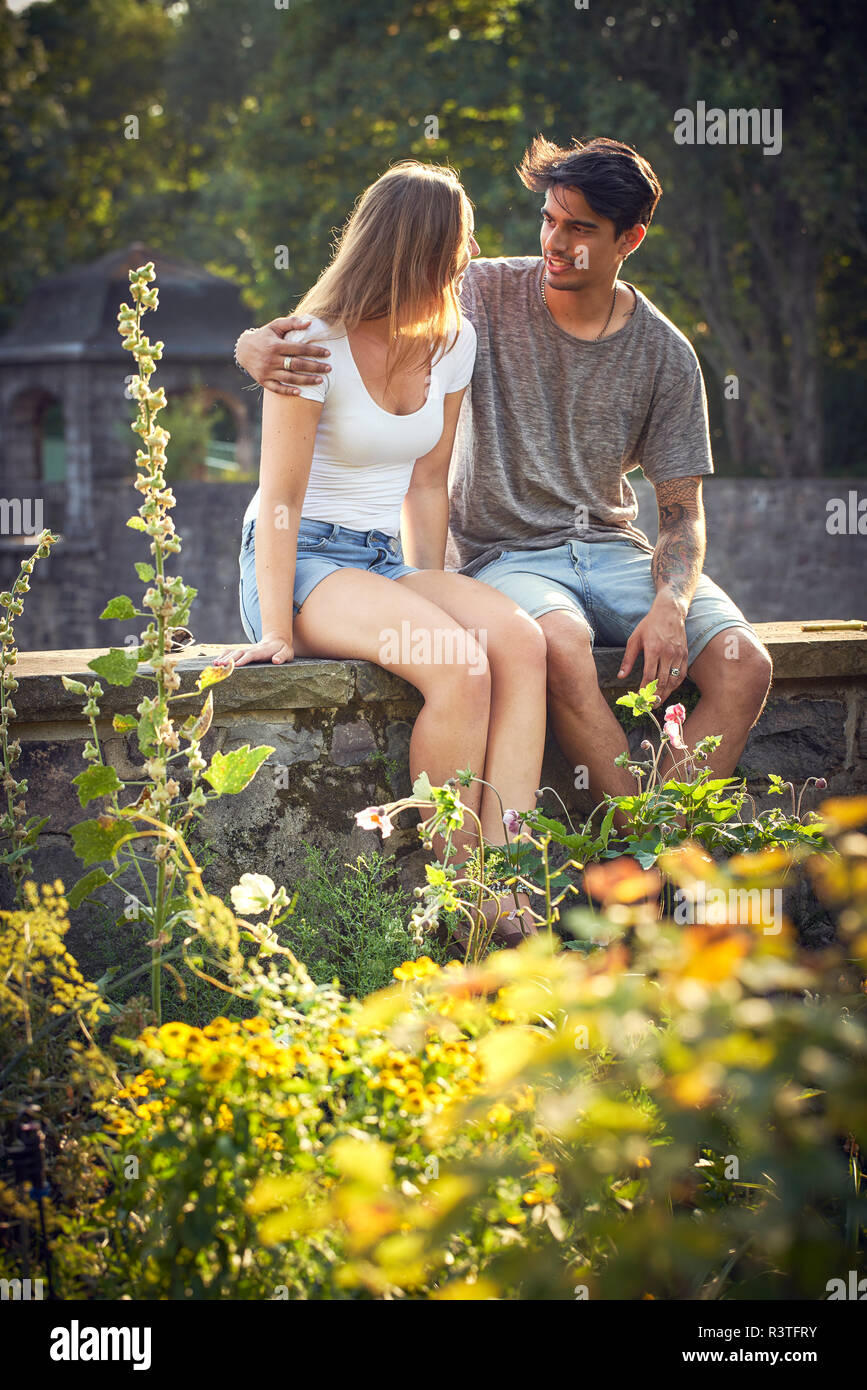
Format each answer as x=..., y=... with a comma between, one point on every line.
x=674, y=671
x=287, y=364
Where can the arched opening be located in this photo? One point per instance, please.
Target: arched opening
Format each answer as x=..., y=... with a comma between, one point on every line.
x=52, y=444
x=210, y=437
x=37, y=438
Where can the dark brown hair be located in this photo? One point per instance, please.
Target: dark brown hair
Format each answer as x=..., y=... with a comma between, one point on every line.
x=616, y=181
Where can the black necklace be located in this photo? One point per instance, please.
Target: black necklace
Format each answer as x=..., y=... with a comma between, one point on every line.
x=610, y=311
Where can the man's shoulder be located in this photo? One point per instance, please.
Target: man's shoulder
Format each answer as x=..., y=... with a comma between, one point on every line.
x=491, y=281
x=675, y=347
x=488, y=269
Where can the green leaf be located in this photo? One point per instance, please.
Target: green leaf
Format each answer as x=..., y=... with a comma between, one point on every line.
x=74, y=687
x=607, y=825
x=117, y=668
x=230, y=772
x=212, y=675
x=144, y=571
x=96, y=781
x=33, y=825
x=135, y=523
x=94, y=840
x=124, y=723
x=85, y=886
x=120, y=607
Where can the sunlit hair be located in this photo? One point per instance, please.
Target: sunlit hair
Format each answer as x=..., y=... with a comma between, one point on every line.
x=398, y=255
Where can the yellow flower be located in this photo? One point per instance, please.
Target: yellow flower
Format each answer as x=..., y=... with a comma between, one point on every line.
x=224, y=1117
x=533, y=1197
x=256, y=1025
x=499, y=1114
x=119, y=1127
x=219, y=1028
x=268, y=1141
x=218, y=1068
x=416, y=969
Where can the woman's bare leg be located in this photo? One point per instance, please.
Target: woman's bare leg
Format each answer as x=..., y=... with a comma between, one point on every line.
x=365, y=616
x=515, y=647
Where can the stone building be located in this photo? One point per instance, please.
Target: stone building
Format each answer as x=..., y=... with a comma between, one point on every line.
x=65, y=445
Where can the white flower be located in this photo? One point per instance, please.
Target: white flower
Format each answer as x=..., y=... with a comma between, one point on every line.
x=253, y=894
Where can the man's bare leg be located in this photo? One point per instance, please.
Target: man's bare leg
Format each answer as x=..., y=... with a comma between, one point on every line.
x=733, y=689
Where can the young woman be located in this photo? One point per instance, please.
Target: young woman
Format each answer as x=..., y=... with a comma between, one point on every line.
x=360, y=459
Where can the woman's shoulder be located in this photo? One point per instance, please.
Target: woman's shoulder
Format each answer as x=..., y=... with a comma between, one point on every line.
x=317, y=331
x=458, y=358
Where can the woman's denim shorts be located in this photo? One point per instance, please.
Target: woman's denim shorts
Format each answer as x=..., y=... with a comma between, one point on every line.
x=322, y=548
x=608, y=584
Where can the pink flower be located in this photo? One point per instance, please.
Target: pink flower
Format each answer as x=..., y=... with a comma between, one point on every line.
x=512, y=822
x=672, y=728
x=375, y=818
x=676, y=713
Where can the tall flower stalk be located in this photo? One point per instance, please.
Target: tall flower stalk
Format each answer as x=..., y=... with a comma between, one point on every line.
x=15, y=828
x=165, y=746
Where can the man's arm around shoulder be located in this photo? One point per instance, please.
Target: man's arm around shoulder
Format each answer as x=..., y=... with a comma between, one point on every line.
x=263, y=355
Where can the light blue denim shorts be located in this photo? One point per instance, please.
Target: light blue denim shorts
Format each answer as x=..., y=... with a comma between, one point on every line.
x=323, y=547
x=608, y=584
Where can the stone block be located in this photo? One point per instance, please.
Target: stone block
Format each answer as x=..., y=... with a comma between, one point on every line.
x=291, y=744
x=352, y=743
x=797, y=738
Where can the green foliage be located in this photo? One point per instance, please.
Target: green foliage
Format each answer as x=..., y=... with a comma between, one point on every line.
x=350, y=922
x=663, y=1117
x=258, y=130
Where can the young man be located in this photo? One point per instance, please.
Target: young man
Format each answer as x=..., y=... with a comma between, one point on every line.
x=578, y=379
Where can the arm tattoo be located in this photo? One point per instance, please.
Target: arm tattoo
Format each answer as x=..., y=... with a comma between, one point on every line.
x=679, y=553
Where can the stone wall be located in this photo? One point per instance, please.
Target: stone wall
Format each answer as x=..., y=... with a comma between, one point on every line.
x=341, y=733
x=767, y=546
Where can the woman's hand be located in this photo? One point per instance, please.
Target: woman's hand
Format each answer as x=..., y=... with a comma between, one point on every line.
x=274, y=647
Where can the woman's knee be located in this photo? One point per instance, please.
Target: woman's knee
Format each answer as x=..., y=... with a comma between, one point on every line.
x=517, y=645
x=455, y=667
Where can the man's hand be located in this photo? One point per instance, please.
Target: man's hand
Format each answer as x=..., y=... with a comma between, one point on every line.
x=274, y=647
x=661, y=636
x=262, y=351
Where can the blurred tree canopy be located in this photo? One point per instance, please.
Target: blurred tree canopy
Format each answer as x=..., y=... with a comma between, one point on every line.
x=260, y=122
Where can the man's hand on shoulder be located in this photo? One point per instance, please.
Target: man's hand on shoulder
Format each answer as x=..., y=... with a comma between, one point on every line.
x=263, y=353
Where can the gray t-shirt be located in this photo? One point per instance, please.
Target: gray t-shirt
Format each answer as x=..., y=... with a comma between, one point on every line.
x=552, y=424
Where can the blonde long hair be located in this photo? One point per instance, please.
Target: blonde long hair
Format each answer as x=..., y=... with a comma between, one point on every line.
x=398, y=256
